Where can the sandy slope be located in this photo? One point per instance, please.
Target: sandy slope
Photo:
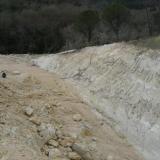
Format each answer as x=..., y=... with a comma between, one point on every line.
x=53, y=102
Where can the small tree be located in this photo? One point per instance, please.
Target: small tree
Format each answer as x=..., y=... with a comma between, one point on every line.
x=157, y=20
x=116, y=15
x=148, y=17
x=86, y=23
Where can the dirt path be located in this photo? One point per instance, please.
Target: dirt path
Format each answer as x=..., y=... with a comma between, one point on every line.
x=36, y=107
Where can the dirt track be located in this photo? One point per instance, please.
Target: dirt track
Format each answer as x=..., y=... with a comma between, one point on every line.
x=56, y=103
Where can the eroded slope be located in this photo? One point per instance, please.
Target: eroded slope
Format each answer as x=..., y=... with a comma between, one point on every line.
x=41, y=117
x=122, y=81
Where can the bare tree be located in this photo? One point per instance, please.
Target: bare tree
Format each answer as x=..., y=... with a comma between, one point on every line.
x=115, y=15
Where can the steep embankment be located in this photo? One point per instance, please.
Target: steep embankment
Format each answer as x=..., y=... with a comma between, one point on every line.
x=122, y=81
x=42, y=118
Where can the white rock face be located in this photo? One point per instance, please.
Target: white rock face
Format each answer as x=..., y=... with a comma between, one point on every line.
x=121, y=81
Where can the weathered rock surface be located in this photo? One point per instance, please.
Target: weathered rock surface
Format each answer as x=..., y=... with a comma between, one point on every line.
x=121, y=81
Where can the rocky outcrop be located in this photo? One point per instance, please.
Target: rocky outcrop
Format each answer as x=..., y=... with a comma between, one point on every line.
x=121, y=81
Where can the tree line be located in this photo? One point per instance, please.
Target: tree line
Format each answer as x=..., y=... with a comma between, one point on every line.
x=49, y=26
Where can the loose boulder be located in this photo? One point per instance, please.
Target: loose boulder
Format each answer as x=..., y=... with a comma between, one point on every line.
x=29, y=111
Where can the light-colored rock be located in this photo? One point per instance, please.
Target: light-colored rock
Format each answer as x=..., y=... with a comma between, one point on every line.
x=67, y=142
x=74, y=156
x=29, y=111
x=92, y=146
x=53, y=143
x=16, y=72
x=82, y=150
x=55, y=153
x=47, y=131
x=77, y=117
x=35, y=120
x=79, y=148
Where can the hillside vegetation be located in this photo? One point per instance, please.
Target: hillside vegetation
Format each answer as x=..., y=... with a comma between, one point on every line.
x=38, y=26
